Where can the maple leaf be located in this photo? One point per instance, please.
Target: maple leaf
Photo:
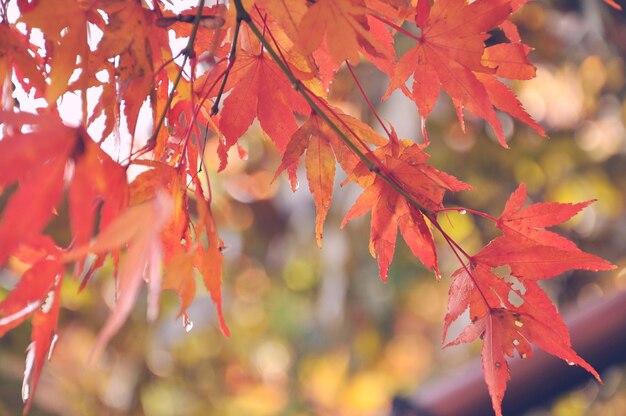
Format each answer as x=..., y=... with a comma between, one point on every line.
x=260, y=90
x=129, y=36
x=43, y=339
x=209, y=260
x=36, y=161
x=344, y=27
x=37, y=295
x=29, y=293
x=320, y=167
x=532, y=252
x=98, y=189
x=323, y=146
x=164, y=178
x=450, y=54
x=15, y=57
x=179, y=278
x=532, y=261
x=287, y=13
x=404, y=161
x=139, y=227
x=320, y=173
x=474, y=287
x=613, y=4
x=64, y=22
x=528, y=223
x=505, y=330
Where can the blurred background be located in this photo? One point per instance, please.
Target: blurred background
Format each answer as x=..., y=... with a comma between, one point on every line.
x=314, y=331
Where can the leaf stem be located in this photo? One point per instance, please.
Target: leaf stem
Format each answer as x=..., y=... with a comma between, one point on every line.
x=367, y=100
x=242, y=16
x=465, y=210
x=398, y=28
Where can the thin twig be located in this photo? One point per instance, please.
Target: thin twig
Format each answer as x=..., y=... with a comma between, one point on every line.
x=188, y=51
x=232, y=56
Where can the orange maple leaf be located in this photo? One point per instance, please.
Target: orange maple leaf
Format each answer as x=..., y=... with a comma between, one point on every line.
x=130, y=37
x=343, y=26
x=404, y=161
x=64, y=22
x=322, y=147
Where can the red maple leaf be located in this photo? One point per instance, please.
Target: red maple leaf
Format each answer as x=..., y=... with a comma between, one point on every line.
x=36, y=294
x=532, y=252
x=510, y=314
x=450, y=54
x=36, y=161
x=260, y=90
x=503, y=331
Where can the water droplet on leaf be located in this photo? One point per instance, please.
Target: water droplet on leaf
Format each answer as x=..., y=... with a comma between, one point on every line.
x=519, y=324
x=463, y=212
x=187, y=323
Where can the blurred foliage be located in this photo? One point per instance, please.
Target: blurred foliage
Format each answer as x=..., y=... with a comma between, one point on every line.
x=314, y=331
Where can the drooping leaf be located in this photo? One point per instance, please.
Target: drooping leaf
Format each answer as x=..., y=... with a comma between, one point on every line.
x=501, y=337
x=164, y=178
x=64, y=22
x=179, y=278
x=139, y=227
x=209, y=259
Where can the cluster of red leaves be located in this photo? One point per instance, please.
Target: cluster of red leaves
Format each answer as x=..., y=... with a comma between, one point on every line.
x=278, y=74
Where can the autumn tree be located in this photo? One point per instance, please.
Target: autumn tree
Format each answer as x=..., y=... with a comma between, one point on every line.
x=275, y=62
